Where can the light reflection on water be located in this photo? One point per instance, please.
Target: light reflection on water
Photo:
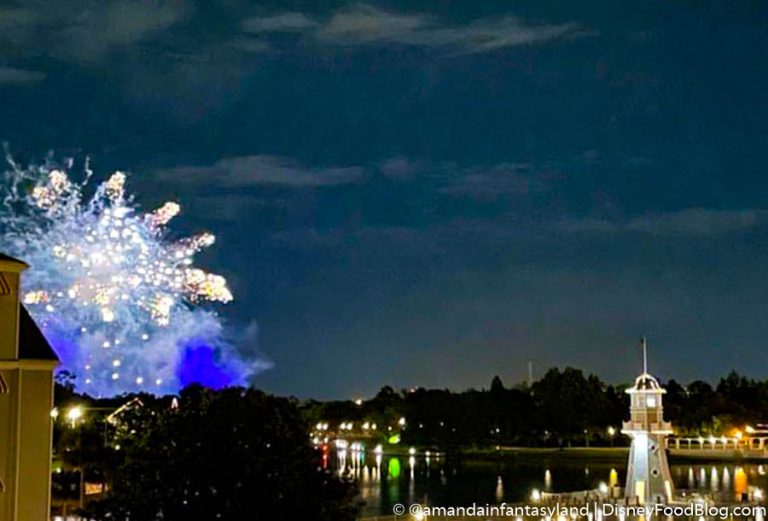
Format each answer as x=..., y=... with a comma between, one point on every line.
x=385, y=480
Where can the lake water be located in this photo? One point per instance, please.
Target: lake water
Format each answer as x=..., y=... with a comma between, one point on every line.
x=387, y=480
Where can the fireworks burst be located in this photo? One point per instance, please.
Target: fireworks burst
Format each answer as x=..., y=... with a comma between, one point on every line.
x=118, y=301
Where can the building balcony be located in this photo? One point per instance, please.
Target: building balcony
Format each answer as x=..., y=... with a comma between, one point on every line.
x=652, y=427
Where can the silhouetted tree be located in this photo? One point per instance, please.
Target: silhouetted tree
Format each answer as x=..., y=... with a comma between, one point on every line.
x=228, y=455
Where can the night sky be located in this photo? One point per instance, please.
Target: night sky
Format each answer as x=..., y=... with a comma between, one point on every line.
x=430, y=193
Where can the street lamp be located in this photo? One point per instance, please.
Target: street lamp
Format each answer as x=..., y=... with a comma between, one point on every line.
x=611, y=433
x=74, y=414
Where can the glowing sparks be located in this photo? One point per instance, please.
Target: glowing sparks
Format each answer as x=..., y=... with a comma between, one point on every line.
x=35, y=297
x=108, y=288
x=122, y=254
x=163, y=215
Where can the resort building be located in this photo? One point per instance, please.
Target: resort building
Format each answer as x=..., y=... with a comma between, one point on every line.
x=26, y=399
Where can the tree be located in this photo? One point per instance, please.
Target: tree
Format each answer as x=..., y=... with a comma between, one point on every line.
x=497, y=386
x=66, y=379
x=222, y=455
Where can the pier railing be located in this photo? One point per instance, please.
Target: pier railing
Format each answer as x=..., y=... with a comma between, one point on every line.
x=717, y=443
x=646, y=426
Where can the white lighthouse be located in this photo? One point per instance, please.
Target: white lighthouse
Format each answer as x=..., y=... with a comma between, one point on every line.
x=648, y=476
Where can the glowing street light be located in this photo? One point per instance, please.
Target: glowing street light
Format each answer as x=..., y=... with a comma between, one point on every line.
x=401, y=422
x=74, y=414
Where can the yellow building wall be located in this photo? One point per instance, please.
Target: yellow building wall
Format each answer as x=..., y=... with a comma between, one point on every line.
x=9, y=405
x=8, y=443
x=34, y=477
x=25, y=444
x=9, y=316
x=26, y=400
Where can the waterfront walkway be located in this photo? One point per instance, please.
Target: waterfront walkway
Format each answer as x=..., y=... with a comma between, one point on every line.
x=723, y=447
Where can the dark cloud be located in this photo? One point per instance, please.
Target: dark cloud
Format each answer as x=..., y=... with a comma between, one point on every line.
x=17, y=76
x=249, y=171
x=83, y=31
x=502, y=179
x=365, y=24
x=400, y=167
x=284, y=22
x=690, y=221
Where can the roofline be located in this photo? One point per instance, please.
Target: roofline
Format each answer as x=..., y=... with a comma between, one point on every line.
x=8, y=263
x=29, y=364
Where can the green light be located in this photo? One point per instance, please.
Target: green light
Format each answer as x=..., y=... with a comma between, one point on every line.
x=394, y=439
x=394, y=467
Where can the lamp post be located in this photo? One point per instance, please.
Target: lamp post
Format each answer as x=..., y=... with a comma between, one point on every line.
x=611, y=433
x=74, y=414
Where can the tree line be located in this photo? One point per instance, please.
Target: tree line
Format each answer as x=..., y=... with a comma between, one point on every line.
x=564, y=407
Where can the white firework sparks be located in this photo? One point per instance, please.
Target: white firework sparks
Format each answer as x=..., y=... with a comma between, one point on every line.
x=115, y=297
